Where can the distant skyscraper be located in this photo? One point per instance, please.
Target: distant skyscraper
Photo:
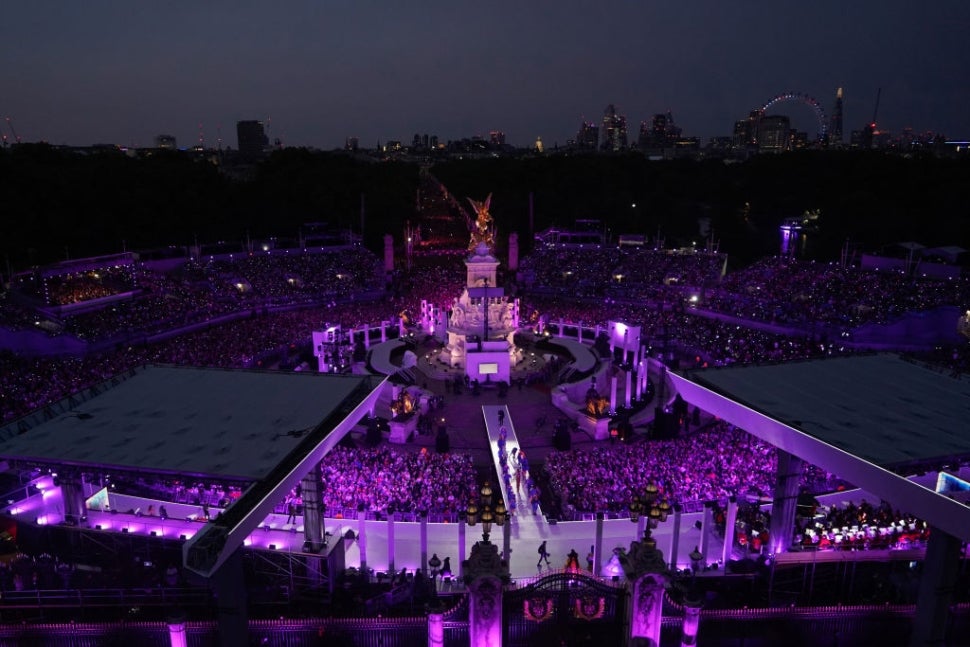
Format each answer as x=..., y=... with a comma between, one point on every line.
x=497, y=138
x=614, y=130
x=835, y=128
x=746, y=130
x=351, y=144
x=588, y=136
x=252, y=139
x=774, y=133
x=165, y=142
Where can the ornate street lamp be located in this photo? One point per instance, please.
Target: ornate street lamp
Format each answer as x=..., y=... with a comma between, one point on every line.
x=435, y=564
x=483, y=511
x=655, y=512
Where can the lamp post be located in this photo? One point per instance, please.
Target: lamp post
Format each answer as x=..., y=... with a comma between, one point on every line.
x=485, y=310
x=646, y=506
x=435, y=564
x=483, y=511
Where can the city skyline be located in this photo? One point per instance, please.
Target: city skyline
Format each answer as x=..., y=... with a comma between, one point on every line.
x=113, y=73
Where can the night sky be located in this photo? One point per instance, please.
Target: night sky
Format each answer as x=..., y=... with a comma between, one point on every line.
x=320, y=70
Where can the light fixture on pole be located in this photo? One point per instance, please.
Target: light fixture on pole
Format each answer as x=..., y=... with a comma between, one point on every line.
x=654, y=512
x=483, y=511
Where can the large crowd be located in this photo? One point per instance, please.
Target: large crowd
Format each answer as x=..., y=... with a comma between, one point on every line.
x=202, y=290
x=382, y=478
x=259, y=312
x=805, y=293
x=622, y=272
x=711, y=464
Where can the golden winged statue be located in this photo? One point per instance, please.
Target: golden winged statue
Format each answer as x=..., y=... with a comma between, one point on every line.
x=482, y=233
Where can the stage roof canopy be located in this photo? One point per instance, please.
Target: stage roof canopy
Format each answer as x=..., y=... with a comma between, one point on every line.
x=862, y=418
x=881, y=408
x=227, y=423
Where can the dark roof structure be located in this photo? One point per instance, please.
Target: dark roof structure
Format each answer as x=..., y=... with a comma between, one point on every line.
x=265, y=429
x=228, y=423
x=863, y=418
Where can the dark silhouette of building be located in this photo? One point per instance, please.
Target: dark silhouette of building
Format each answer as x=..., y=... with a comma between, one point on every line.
x=614, y=130
x=835, y=128
x=252, y=138
x=588, y=136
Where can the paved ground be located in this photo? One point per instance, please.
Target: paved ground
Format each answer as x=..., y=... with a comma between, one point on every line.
x=526, y=404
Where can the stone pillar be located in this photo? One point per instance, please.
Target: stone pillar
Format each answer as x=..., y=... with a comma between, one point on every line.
x=598, y=546
x=561, y=328
x=612, y=395
x=424, y=541
x=391, y=518
x=648, y=596
x=707, y=528
x=627, y=395
x=176, y=632
x=461, y=548
x=785, y=502
x=507, y=540
x=485, y=612
x=675, y=538
x=388, y=253
x=383, y=331
x=366, y=330
x=579, y=332
x=513, y=251
x=400, y=328
x=692, y=620
x=362, y=540
x=436, y=630
x=729, y=526
x=485, y=575
x=940, y=568
x=312, y=520
x=230, y=589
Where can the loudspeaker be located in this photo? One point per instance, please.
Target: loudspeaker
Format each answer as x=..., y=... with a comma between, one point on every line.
x=562, y=440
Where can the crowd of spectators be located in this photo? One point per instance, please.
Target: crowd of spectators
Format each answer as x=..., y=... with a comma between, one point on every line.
x=73, y=286
x=289, y=277
x=385, y=478
x=202, y=290
x=622, y=272
x=785, y=290
x=712, y=464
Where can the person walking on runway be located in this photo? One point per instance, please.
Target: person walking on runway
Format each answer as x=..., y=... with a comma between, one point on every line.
x=543, y=555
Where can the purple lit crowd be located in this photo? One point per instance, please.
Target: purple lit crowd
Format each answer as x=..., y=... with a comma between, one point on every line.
x=259, y=311
x=711, y=464
x=406, y=481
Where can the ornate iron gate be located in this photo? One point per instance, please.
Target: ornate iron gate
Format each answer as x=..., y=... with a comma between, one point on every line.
x=564, y=609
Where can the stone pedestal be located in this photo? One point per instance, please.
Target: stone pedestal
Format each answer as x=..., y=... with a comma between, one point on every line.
x=598, y=428
x=485, y=576
x=645, y=621
x=436, y=630
x=401, y=428
x=692, y=620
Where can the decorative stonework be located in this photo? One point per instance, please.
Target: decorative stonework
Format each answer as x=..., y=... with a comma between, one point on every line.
x=485, y=561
